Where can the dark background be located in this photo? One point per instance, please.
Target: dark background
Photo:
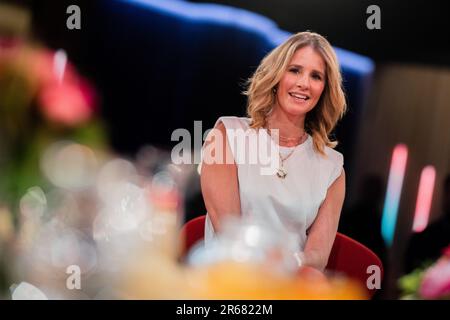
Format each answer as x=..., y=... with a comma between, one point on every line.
x=411, y=31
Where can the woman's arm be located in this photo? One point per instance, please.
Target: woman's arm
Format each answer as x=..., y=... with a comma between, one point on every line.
x=219, y=181
x=323, y=231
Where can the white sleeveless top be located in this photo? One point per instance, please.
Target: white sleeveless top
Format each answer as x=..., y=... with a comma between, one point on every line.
x=290, y=204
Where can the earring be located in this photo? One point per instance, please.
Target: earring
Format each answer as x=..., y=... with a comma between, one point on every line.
x=274, y=90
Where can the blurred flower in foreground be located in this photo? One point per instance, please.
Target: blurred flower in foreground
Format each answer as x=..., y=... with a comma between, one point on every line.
x=430, y=282
x=436, y=280
x=67, y=103
x=43, y=100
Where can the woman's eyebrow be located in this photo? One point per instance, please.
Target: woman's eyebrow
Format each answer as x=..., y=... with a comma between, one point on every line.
x=300, y=66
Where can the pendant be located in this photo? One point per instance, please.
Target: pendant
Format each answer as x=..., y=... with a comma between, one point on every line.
x=281, y=173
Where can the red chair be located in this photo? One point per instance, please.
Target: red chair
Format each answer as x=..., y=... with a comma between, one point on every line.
x=347, y=256
x=352, y=258
x=192, y=232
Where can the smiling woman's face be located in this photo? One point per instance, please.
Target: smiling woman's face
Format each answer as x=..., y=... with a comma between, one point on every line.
x=302, y=84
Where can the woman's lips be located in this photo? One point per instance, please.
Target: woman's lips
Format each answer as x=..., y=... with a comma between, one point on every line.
x=299, y=97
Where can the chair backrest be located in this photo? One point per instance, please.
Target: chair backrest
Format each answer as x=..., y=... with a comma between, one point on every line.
x=192, y=232
x=347, y=256
x=353, y=259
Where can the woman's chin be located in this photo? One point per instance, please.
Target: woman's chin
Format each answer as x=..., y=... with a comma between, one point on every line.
x=296, y=112
x=298, y=109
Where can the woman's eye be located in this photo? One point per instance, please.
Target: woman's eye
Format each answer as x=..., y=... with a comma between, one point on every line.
x=317, y=77
x=293, y=70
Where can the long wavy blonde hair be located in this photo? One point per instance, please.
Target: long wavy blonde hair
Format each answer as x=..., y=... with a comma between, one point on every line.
x=330, y=108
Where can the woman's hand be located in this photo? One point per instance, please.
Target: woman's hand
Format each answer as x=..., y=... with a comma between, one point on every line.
x=311, y=274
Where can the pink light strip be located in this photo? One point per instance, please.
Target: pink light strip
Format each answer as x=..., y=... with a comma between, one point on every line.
x=424, y=198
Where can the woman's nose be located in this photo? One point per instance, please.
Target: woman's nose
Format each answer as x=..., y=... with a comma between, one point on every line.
x=302, y=80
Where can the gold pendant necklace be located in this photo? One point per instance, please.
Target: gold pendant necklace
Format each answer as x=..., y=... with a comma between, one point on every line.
x=282, y=172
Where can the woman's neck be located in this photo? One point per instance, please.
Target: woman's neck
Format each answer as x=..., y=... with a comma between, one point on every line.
x=289, y=127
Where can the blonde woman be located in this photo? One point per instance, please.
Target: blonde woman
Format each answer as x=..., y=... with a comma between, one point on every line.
x=296, y=96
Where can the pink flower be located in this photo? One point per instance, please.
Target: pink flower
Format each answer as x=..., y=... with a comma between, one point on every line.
x=40, y=65
x=446, y=251
x=68, y=100
x=436, y=281
x=67, y=103
x=63, y=96
x=9, y=46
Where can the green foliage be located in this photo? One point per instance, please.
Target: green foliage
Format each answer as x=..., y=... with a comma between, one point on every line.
x=409, y=284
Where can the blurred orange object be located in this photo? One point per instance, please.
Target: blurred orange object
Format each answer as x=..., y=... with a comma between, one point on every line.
x=348, y=257
x=234, y=280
